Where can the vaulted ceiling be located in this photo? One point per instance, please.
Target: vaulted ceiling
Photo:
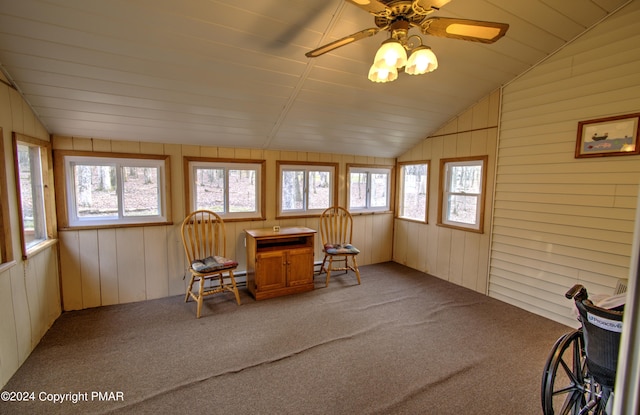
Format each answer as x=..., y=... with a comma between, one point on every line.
x=233, y=73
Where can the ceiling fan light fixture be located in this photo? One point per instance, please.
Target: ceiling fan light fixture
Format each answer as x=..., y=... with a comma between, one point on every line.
x=382, y=74
x=398, y=17
x=422, y=60
x=391, y=54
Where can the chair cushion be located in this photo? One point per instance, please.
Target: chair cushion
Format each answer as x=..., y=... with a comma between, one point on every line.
x=212, y=263
x=337, y=249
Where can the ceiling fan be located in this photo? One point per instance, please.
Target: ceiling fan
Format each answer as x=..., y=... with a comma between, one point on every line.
x=397, y=17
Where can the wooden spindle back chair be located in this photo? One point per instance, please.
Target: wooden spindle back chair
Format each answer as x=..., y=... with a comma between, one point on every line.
x=204, y=240
x=336, y=231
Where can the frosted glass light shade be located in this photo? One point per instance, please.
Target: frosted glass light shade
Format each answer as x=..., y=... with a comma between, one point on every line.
x=382, y=74
x=422, y=60
x=390, y=54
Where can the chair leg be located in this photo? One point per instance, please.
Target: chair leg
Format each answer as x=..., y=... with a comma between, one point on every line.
x=200, y=297
x=355, y=268
x=235, y=287
x=186, y=297
x=322, y=268
x=329, y=271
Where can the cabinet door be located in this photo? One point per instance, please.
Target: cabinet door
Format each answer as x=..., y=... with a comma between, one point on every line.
x=270, y=270
x=300, y=266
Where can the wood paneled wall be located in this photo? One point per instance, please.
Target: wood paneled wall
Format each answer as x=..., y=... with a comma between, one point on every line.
x=560, y=220
x=112, y=266
x=556, y=220
x=457, y=256
x=29, y=290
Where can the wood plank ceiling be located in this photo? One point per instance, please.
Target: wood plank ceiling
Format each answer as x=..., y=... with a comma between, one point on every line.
x=233, y=73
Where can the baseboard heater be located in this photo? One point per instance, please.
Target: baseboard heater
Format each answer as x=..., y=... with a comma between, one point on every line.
x=241, y=276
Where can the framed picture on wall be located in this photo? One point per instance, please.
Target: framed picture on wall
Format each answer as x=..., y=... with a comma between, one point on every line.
x=611, y=136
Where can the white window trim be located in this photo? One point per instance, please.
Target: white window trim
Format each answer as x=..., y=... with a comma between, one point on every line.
x=65, y=188
x=118, y=163
x=369, y=171
x=257, y=165
x=306, y=167
x=445, y=184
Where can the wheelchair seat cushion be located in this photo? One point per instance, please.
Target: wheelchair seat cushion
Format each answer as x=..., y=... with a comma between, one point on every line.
x=213, y=263
x=337, y=249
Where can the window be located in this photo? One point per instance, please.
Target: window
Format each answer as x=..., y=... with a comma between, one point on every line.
x=32, y=163
x=414, y=185
x=112, y=189
x=462, y=192
x=368, y=188
x=305, y=189
x=231, y=188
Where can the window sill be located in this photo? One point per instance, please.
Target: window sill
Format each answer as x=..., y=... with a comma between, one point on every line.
x=246, y=219
x=299, y=216
x=370, y=212
x=39, y=248
x=424, y=222
x=113, y=226
x=7, y=265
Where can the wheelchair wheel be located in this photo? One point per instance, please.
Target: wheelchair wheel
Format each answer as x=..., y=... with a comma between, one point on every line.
x=567, y=387
x=563, y=379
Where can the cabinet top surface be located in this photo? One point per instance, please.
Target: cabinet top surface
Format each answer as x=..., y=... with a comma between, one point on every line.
x=284, y=231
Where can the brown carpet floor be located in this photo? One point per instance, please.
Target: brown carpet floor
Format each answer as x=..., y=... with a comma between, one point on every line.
x=403, y=342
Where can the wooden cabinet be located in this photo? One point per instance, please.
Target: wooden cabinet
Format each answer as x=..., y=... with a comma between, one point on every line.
x=279, y=263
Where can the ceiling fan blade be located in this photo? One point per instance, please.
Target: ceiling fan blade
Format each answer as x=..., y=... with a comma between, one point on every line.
x=473, y=30
x=372, y=6
x=342, y=42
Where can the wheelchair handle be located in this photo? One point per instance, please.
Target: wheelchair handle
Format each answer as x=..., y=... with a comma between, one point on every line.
x=577, y=292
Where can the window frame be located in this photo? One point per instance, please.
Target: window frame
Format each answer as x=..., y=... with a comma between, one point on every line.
x=45, y=181
x=6, y=247
x=443, y=192
x=66, y=193
x=369, y=170
x=193, y=162
x=282, y=165
x=401, y=187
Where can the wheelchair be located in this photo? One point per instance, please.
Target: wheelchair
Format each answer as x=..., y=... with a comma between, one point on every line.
x=580, y=372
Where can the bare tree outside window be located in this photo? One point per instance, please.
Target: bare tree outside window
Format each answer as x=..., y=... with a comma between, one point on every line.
x=31, y=193
x=380, y=190
x=464, y=189
x=358, y=190
x=232, y=189
x=292, y=190
x=209, y=189
x=368, y=188
x=413, y=197
x=34, y=194
x=305, y=188
x=95, y=191
x=242, y=194
x=107, y=189
x=319, y=194
x=141, y=193
x=462, y=192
